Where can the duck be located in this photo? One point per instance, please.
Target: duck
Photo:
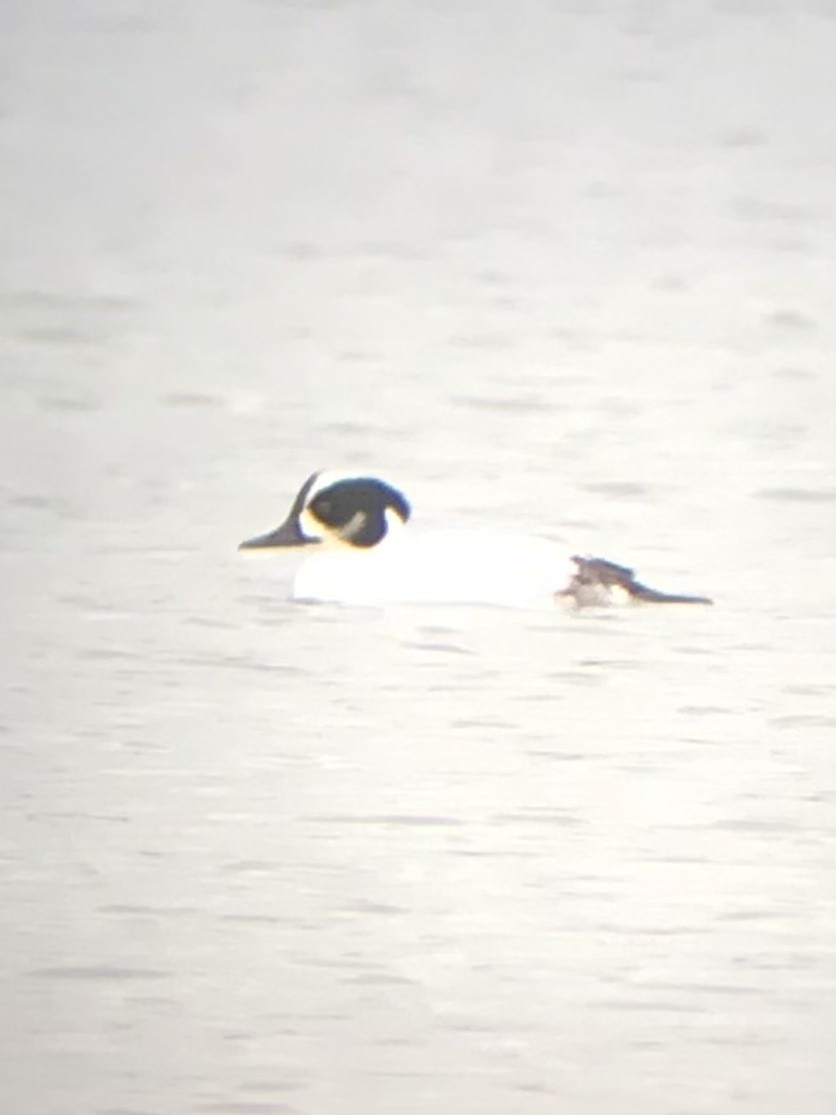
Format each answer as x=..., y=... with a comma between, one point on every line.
x=362, y=550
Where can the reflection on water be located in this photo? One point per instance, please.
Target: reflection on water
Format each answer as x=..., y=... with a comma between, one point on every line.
x=560, y=269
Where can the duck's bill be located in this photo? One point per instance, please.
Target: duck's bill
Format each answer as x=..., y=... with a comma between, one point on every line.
x=288, y=534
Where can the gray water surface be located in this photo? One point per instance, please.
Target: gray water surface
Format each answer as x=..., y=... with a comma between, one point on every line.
x=566, y=267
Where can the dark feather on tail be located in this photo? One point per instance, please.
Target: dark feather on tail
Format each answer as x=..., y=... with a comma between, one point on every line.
x=594, y=580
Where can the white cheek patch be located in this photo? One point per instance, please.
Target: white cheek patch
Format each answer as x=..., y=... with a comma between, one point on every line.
x=332, y=538
x=310, y=526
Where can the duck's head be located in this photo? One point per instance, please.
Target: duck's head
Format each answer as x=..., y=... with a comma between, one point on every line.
x=338, y=510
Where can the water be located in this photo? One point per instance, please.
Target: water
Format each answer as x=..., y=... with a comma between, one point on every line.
x=562, y=266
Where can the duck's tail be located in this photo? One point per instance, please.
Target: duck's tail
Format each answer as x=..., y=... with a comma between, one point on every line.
x=597, y=582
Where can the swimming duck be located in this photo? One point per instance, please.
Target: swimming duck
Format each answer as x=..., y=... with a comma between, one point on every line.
x=362, y=552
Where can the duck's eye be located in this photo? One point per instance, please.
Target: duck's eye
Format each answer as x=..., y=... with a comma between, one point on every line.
x=323, y=506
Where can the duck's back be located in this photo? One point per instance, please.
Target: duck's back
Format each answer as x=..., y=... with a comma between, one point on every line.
x=443, y=567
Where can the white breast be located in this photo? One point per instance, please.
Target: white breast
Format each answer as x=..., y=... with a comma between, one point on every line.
x=441, y=567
